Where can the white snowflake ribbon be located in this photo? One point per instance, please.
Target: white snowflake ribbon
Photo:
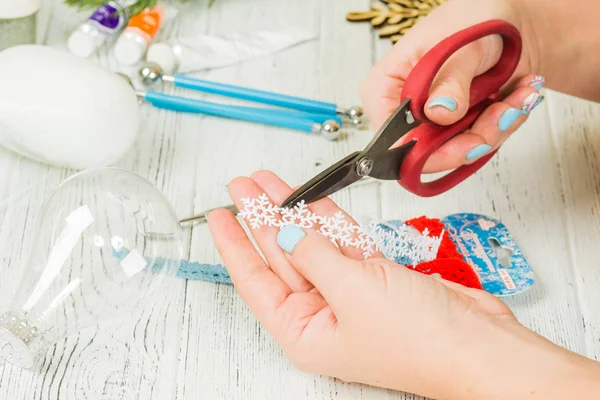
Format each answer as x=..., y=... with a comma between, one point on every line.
x=404, y=244
x=398, y=243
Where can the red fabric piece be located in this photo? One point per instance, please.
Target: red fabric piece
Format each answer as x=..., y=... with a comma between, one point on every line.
x=449, y=263
x=452, y=270
x=447, y=247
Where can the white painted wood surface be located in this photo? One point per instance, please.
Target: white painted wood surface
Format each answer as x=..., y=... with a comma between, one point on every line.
x=200, y=341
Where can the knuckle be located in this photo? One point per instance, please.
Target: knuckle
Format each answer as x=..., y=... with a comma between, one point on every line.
x=380, y=270
x=303, y=255
x=487, y=50
x=447, y=79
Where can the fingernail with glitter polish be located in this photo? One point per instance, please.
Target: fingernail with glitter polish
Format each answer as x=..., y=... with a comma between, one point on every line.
x=289, y=236
x=537, y=82
x=443, y=101
x=478, y=151
x=508, y=118
x=531, y=102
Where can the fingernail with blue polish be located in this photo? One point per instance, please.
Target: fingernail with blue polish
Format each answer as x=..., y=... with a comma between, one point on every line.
x=538, y=82
x=478, y=151
x=508, y=118
x=444, y=101
x=289, y=236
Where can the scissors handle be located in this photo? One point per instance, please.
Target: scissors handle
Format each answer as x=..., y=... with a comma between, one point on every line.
x=428, y=138
x=484, y=90
x=418, y=83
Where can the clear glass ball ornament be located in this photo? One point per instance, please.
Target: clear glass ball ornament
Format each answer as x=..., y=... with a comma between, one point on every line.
x=105, y=240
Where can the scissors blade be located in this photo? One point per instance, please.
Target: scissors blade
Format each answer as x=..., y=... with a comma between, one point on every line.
x=344, y=172
x=338, y=176
x=387, y=165
x=398, y=124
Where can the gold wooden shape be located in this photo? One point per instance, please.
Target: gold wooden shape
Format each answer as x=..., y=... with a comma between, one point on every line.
x=397, y=18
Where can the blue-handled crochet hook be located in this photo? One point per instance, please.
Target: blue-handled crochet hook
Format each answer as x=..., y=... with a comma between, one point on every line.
x=330, y=129
x=151, y=73
x=320, y=118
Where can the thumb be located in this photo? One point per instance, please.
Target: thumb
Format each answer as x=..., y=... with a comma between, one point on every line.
x=449, y=93
x=319, y=261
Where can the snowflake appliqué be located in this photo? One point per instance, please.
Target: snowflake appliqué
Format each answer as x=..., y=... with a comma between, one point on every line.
x=405, y=244
x=299, y=215
x=260, y=212
x=402, y=244
x=366, y=244
x=338, y=230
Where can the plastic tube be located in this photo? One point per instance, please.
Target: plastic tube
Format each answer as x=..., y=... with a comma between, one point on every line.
x=105, y=22
x=139, y=33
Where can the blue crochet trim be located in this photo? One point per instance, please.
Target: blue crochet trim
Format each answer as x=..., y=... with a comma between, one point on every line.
x=203, y=272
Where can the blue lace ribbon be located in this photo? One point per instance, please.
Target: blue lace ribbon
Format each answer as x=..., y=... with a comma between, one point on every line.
x=203, y=272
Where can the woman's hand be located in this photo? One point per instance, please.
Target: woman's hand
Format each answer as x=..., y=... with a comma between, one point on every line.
x=449, y=95
x=379, y=323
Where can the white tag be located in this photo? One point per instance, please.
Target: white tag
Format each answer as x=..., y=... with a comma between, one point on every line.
x=133, y=263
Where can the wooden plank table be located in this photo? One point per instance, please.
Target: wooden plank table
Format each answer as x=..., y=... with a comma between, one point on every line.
x=200, y=341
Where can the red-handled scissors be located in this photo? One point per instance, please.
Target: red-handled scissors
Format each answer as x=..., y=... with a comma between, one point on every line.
x=405, y=163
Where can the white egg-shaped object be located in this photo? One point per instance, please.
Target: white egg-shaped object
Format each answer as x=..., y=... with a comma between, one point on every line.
x=59, y=109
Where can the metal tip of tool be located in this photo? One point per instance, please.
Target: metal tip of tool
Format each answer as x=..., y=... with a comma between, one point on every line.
x=330, y=129
x=287, y=203
x=350, y=112
x=203, y=217
x=150, y=74
x=354, y=112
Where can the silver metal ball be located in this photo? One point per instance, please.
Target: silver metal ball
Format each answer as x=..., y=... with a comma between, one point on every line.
x=150, y=74
x=330, y=129
x=355, y=112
